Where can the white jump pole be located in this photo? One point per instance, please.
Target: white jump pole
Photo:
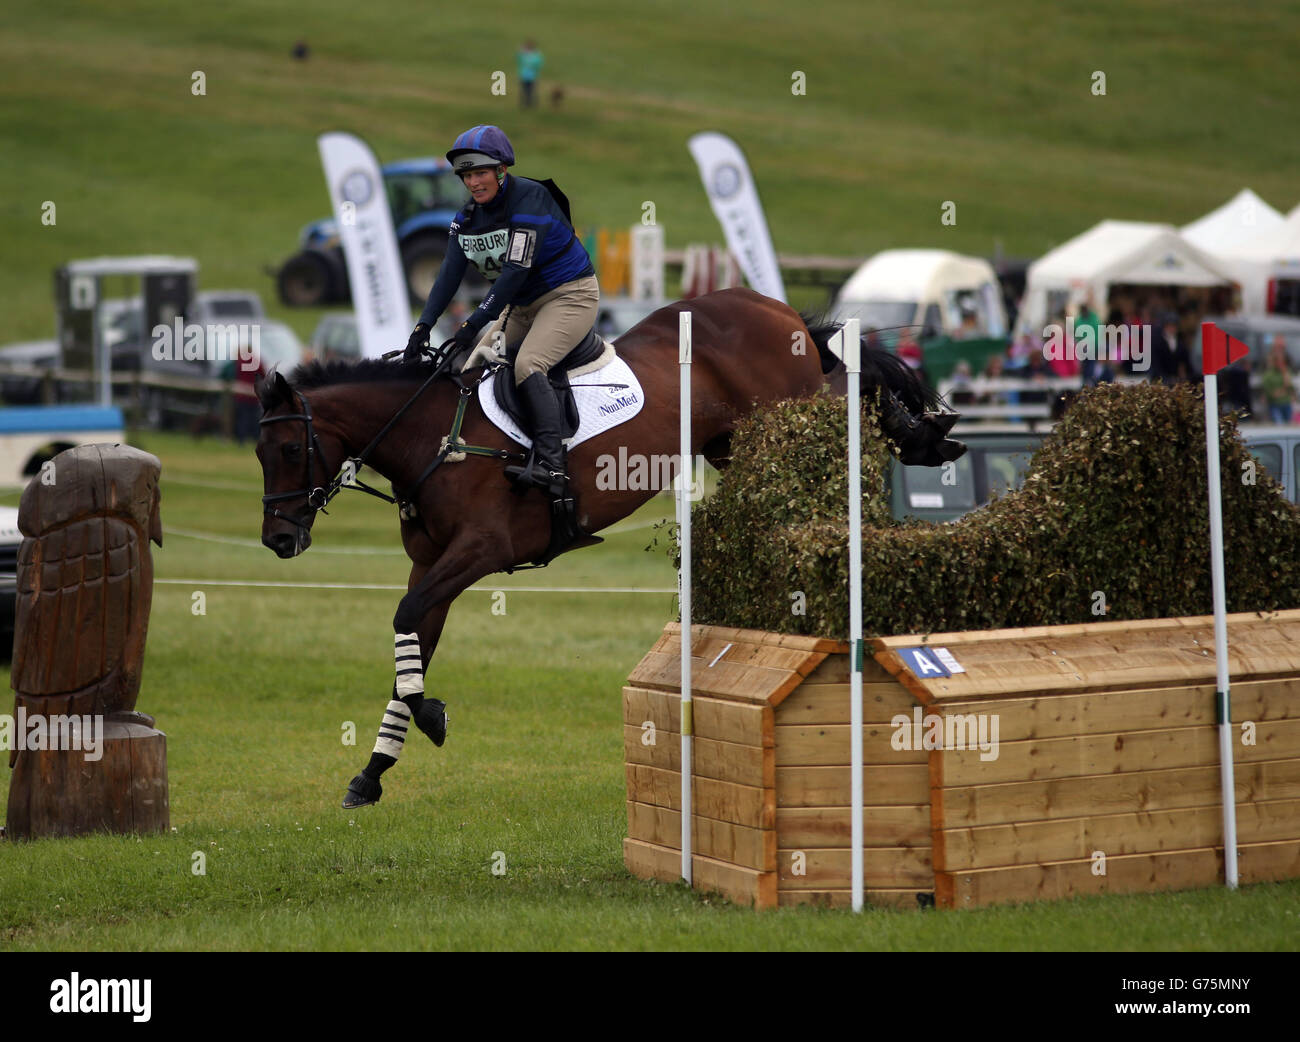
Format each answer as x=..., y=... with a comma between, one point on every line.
x=851, y=351
x=684, y=581
x=1223, y=705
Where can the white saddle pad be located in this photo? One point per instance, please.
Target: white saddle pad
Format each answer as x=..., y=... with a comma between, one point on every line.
x=607, y=397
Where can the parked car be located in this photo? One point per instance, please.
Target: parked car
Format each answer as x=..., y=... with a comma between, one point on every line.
x=941, y=292
x=995, y=462
x=998, y=459
x=26, y=390
x=10, y=540
x=167, y=407
x=1277, y=448
x=335, y=336
x=281, y=348
x=424, y=196
x=121, y=320
x=227, y=305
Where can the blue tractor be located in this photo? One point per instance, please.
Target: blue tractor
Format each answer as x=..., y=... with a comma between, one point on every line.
x=424, y=195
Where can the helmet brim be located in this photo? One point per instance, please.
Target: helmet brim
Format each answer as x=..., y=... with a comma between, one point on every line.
x=464, y=161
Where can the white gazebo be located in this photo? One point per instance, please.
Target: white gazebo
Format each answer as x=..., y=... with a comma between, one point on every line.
x=1111, y=253
x=1274, y=254
x=1234, y=235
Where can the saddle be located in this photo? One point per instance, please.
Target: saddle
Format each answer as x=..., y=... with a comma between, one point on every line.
x=591, y=353
x=590, y=350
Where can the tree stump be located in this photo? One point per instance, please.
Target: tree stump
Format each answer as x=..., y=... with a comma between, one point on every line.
x=83, y=760
x=57, y=792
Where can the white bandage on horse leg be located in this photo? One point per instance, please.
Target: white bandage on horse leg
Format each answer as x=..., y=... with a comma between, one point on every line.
x=409, y=665
x=392, y=732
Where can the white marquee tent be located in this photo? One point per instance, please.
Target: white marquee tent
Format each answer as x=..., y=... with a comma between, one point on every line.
x=1274, y=254
x=1110, y=253
x=1235, y=233
x=1237, y=223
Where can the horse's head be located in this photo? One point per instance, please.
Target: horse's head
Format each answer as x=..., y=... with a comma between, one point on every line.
x=295, y=469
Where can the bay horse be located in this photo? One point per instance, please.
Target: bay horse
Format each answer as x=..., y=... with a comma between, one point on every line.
x=748, y=350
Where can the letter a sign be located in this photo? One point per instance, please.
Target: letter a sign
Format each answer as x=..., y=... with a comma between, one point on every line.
x=923, y=663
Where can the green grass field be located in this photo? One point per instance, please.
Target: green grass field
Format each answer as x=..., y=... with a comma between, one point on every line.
x=255, y=694
x=989, y=106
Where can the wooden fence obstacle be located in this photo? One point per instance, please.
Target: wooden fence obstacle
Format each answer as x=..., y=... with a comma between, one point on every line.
x=1105, y=778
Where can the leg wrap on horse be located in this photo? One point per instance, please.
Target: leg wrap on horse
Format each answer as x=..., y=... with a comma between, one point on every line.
x=409, y=665
x=392, y=732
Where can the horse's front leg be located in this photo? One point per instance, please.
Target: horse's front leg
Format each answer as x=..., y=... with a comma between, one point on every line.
x=417, y=626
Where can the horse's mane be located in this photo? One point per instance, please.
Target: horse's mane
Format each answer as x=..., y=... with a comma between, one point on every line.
x=880, y=367
x=364, y=371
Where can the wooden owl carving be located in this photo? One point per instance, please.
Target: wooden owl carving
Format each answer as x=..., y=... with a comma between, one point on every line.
x=85, y=581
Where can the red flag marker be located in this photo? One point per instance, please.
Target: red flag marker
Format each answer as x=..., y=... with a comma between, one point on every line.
x=1218, y=349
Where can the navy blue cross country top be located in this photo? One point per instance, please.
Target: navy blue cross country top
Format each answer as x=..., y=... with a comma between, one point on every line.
x=520, y=241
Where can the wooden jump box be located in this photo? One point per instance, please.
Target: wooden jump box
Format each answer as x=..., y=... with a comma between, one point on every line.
x=1098, y=773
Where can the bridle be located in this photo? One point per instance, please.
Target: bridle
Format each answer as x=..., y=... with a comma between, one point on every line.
x=318, y=497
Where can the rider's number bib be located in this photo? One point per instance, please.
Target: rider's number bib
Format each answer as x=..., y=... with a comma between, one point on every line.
x=490, y=251
x=486, y=252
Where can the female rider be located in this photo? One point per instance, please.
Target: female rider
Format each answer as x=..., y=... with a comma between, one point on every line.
x=516, y=234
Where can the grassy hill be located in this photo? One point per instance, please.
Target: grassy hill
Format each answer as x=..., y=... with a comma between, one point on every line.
x=989, y=106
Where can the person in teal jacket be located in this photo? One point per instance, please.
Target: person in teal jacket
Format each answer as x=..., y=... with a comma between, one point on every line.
x=529, y=60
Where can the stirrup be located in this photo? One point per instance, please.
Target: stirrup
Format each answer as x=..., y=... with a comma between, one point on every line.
x=535, y=475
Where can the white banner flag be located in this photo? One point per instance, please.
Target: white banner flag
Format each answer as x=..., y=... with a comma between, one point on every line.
x=735, y=203
x=365, y=226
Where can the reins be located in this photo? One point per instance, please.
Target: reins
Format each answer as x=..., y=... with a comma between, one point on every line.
x=320, y=496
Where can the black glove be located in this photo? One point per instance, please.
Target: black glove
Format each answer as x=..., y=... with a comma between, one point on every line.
x=417, y=344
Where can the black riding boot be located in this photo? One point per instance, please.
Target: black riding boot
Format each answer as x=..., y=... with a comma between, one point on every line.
x=546, y=469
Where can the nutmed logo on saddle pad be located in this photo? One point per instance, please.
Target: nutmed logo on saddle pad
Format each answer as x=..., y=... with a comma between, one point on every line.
x=605, y=398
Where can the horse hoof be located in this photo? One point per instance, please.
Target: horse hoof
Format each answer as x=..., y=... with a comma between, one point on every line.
x=431, y=718
x=362, y=792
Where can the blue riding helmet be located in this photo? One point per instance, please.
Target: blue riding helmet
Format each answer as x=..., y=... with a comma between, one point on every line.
x=479, y=147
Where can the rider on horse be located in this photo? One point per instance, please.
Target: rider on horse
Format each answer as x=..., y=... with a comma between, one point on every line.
x=518, y=234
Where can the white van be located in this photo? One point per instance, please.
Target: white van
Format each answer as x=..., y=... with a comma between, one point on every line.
x=940, y=292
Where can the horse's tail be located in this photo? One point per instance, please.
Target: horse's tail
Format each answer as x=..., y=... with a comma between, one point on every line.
x=880, y=368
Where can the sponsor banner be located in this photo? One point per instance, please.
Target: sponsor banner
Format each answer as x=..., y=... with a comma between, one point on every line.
x=365, y=226
x=735, y=202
